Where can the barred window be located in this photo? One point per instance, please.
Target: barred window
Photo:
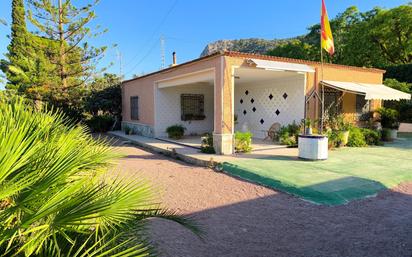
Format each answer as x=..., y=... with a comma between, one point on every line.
x=362, y=105
x=333, y=101
x=134, y=107
x=192, y=107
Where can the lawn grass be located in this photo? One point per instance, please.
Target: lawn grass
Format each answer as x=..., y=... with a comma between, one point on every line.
x=348, y=174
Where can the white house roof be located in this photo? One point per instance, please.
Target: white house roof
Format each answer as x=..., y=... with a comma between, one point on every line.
x=280, y=66
x=371, y=91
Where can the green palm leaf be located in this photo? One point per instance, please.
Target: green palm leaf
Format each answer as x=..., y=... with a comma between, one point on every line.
x=55, y=199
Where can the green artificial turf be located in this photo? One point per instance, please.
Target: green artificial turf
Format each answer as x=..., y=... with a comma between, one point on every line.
x=348, y=174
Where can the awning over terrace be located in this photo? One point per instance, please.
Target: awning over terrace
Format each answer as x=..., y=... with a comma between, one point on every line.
x=280, y=66
x=370, y=91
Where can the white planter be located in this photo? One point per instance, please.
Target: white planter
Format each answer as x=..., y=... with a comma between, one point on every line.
x=313, y=147
x=393, y=134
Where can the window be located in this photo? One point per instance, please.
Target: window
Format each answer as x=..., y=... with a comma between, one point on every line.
x=362, y=105
x=362, y=108
x=134, y=107
x=333, y=101
x=192, y=107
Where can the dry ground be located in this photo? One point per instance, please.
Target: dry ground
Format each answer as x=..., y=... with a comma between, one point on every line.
x=243, y=219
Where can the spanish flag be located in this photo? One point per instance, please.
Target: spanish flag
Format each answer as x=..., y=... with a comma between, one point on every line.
x=326, y=32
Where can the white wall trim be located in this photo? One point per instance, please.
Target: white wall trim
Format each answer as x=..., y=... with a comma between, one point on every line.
x=186, y=78
x=233, y=96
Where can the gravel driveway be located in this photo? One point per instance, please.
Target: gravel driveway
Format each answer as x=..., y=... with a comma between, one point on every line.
x=243, y=219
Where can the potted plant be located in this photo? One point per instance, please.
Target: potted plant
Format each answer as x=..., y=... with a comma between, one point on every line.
x=176, y=131
x=127, y=130
x=207, y=144
x=390, y=123
x=308, y=126
x=344, y=128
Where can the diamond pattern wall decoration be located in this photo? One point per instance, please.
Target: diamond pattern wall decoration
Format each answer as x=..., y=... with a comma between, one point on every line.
x=241, y=101
x=244, y=112
x=274, y=101
x=252, y=100
x=246, y=92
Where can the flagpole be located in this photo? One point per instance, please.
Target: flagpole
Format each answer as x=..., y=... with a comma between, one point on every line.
x=322, y=89
x=321, y=72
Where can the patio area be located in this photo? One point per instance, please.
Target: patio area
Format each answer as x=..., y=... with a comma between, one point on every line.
x=348, y=174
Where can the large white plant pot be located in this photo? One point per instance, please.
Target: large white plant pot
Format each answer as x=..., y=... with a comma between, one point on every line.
x=393, y=134
x=313, y=147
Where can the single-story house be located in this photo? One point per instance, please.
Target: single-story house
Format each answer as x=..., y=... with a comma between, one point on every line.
x=230, y=91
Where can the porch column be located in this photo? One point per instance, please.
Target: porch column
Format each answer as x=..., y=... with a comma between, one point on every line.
x=224, y=106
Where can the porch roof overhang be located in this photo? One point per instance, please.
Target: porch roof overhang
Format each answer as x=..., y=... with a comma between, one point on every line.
x=280, y=66
x=370, y=91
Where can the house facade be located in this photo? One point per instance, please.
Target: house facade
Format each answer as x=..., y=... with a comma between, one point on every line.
x=230, y=91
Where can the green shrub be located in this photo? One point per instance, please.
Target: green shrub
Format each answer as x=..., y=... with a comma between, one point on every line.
x=100, y=123
x=207, y=144
x=176, y=131
x=335, y=138
x=372, y=137
x=389, y=118
x=243, y=142
x=56, y=198
x=289, y=134
x=127, y=130
x=356, y=138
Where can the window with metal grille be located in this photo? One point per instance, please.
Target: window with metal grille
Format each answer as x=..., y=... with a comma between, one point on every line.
x=134, y=107
x=362, y=108
x=192, y=107
x=333, y=101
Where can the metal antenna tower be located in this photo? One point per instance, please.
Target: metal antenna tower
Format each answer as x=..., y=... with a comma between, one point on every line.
x=119, y=57
x=162, y=52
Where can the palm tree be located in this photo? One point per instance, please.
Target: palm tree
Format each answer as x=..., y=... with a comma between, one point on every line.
x=55, y=199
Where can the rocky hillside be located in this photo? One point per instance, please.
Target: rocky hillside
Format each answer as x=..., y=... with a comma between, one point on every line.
x=250, y=45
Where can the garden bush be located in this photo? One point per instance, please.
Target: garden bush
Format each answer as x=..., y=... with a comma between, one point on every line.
x=243, y=142
x=100, y=123
x=176, y=131
x=55, y=198
x=372, y=137
x=289, y=134
x=207, y=144
x=389, y=118
x=356, y=138
x=335, y=138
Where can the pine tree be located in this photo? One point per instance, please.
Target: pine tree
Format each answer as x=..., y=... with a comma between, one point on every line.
x=27, y=66
x=18, y=64
x=67, y=25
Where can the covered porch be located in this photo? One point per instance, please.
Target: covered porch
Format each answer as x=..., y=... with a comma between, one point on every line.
x=357, y=101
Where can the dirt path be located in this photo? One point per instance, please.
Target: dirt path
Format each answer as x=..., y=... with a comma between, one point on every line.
x=243, y=219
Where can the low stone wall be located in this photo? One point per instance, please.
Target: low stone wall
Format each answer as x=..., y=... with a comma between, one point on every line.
x=139, y=129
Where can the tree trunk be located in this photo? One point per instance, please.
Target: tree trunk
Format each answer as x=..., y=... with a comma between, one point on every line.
x=62, y=54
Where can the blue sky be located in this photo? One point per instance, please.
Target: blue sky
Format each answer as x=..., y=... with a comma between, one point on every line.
x=187, y=25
